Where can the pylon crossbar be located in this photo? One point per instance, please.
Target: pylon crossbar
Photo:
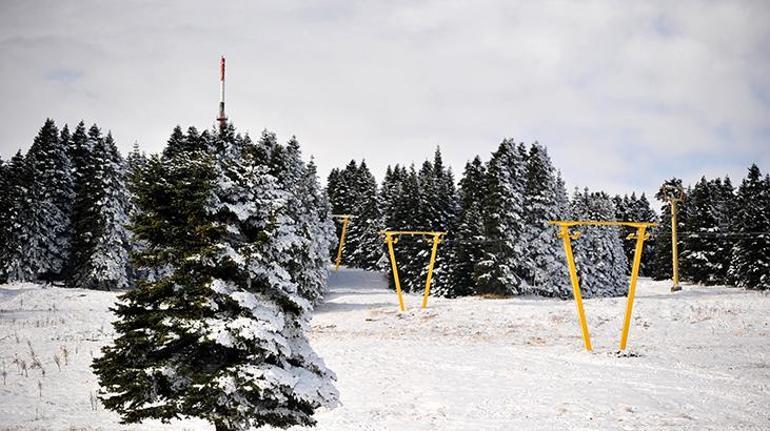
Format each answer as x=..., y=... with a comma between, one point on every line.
x=391, y=237
x=571, y=223
x=567, y=237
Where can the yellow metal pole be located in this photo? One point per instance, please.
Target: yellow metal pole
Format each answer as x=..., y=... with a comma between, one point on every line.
x=389, y=240
x=640, y=237
x=345, y=220
x=430, y=271
x=575, y=285
x=674, y=248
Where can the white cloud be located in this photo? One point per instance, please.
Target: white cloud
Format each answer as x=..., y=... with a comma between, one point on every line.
x=623, y=94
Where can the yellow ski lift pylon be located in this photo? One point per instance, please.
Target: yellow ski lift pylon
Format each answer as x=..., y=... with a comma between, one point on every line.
x=674, y=194
x=345, y=219
x=567, y=237
x=391, y=237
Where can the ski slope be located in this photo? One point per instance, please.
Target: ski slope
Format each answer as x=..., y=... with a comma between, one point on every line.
x=699, y=359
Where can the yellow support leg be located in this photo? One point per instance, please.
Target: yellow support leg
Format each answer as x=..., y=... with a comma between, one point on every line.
x=342, y=242
x=674, y=249
x=389, y=240
x=640, y=237
x=430, y=271
x=575, y=286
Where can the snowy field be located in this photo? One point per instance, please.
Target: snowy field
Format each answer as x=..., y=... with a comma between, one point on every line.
x=699, y=359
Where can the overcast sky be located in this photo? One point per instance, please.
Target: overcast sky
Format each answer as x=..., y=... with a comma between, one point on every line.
x=624, y=94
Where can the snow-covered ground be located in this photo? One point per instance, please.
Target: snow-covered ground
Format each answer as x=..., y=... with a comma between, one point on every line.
x=700, y=359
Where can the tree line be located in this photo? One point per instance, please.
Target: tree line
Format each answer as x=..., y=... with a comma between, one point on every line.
x=724, y=233
x=499, y=241
x=64, y=210
x=225, y=241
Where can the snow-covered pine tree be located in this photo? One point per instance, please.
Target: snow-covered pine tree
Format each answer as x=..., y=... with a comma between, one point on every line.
x=18, y=265
x=467, y=242
x=599, y=256
x=5, y=204
x=306, y=261
x=322, y=228
x=51, y=196
x=624, y=212
x=641, y=211
x=38, y=206
x=79, y=155
x=500, y=272
x=440, y=215
x=750, y=266
x=136, y=164
x=402, y=208
x=410, y=211
x=83, y=171
x=340, y=189
x=353, y=190
x=221, y=335
x=725, y=209
x=100, y=239
x=661, y=259
x=544, y=200
x=705, y=255
x=364, y=245
x=7, y=217
x=636, y=210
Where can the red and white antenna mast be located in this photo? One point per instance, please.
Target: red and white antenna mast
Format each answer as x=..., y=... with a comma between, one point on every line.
x=222, y=118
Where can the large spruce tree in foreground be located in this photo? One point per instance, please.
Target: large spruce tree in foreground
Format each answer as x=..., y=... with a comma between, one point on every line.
x=220, y=335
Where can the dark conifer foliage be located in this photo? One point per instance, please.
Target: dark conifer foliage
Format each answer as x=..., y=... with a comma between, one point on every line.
x=599, y=256
x=642, y=211
x=38, y=202
x=501, y=272
x=100, y=239
x=364, y=246
x=5, y=214
x=421, y=201
x=353, y=191
x=439, y=213
x=313, y=231
x=636, y=210
x=16, y=259
x=468, y=245
x=545, y=199
x=706, y=245
x=750, y=266
x=220, y=334
x=402, y=212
